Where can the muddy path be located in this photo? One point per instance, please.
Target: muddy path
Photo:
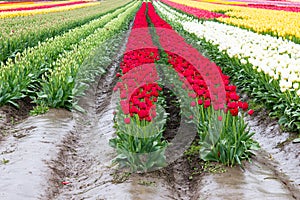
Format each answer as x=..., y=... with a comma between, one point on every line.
x=10, y=116
x=63, y=155
x=85, y=156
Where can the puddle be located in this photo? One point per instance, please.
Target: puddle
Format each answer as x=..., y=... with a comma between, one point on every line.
x=258, y=181
x=273, y=173
x=279, y=145
x=92, y=176
x=24, y=155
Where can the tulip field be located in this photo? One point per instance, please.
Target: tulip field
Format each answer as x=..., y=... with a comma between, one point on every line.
x=212, y=53
x=157, y=85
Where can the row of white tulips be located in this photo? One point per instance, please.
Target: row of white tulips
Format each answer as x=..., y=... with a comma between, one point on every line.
x=275, y=57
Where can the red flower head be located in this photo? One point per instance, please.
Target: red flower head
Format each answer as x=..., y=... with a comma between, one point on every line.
x=232, y=105
x=206, y=103
x=127, y=120
x=234, y=112
x=193, y=103
x=250, y=112
x=200, y=102
x=143, y=105
x=142, y=114
x=118, y=75
x=245, y=106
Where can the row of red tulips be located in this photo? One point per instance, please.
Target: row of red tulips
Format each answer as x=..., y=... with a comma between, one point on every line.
x=138, y=93
x=194, y=11
x=192, y=73
x=139, y=99
x=203, y=93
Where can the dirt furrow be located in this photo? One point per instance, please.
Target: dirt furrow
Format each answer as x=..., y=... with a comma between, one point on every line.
x=85, y=158
x=24, y=154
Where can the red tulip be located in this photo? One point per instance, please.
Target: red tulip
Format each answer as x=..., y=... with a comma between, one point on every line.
x=220, y=118
x=234, y=112
x=250, y=112
x=206, y=103
x=127, y=120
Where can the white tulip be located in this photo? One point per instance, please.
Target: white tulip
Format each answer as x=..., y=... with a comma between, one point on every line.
x=243, y=61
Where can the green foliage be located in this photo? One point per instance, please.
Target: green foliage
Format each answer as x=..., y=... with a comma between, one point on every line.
x=38, y=110
x=227, y=141
x=139, y=144
x=260, y=88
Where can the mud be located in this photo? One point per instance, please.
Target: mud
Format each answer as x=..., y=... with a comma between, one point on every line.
x=279, y=148
x=11, y=115
x=173, y=121
x=63, y=155
x=273, y=173
x=260, y=180
x=24, y=154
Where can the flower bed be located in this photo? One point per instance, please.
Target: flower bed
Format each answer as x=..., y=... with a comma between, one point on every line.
x=35, y=6
x=215, y=117
x=22, y=32
x=265, y=66
x=194, y=11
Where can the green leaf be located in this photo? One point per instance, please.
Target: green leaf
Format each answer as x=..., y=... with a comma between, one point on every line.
x=297, y=140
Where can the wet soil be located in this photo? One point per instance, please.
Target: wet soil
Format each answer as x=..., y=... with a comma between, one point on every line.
x=173, y=121
x=24, y=154
x=278, y=150
x=11, y=115
x=64, y=155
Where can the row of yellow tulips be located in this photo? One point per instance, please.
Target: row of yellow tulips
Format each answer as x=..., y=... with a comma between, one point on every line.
x=274, y=22
x=45, y=11
x=26, y=4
